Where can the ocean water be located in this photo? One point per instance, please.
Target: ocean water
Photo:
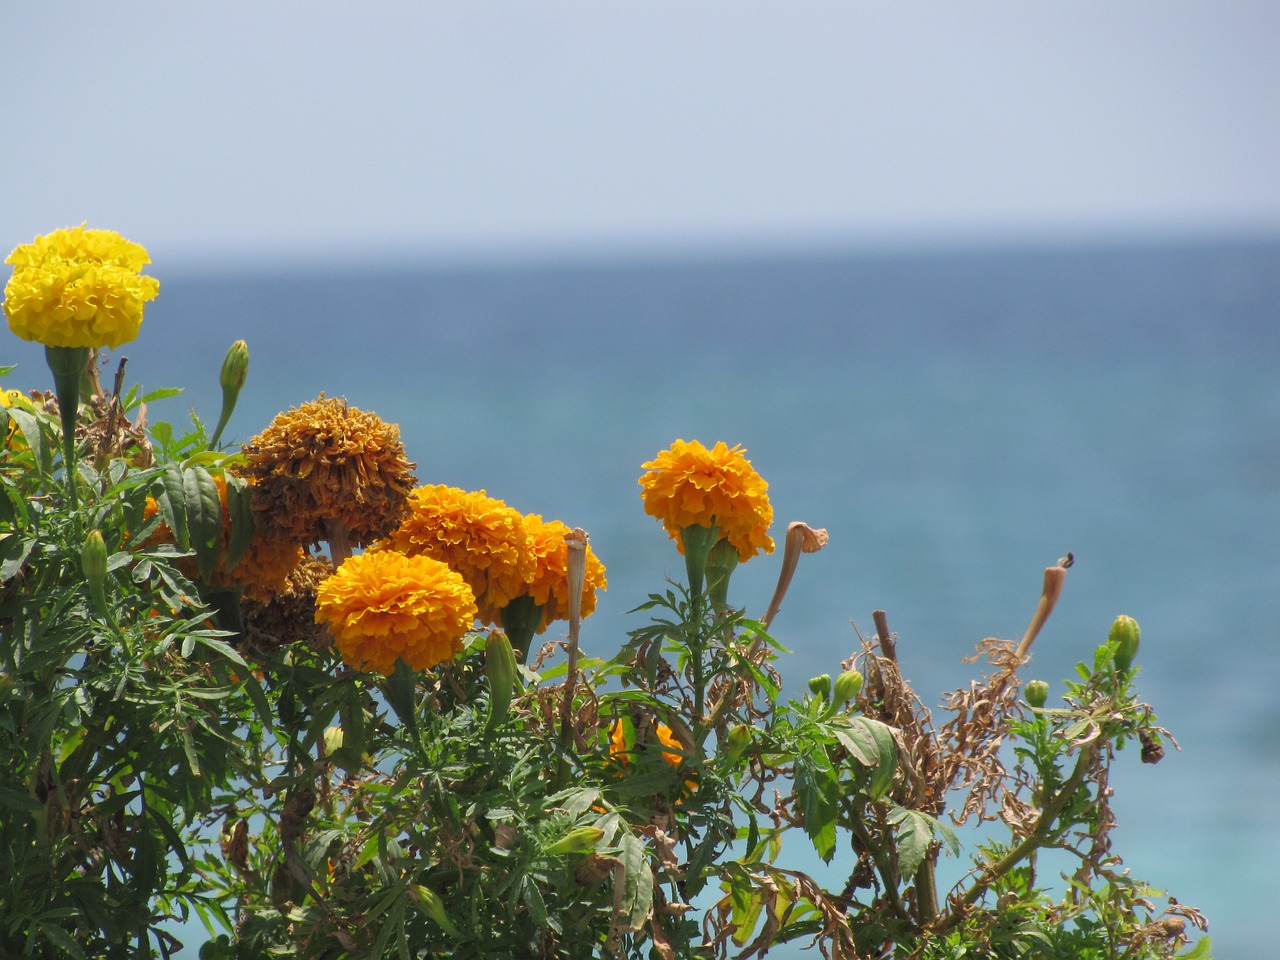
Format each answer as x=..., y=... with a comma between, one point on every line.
x=957, y=420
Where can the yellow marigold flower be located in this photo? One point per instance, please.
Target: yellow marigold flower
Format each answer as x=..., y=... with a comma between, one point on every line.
x=78, y=288
x=383, y=606
x=690, y=485
x=549, y=588
x=482, y=538
x=326, y=462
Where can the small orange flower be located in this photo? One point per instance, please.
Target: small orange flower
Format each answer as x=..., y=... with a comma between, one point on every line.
x=690, y=486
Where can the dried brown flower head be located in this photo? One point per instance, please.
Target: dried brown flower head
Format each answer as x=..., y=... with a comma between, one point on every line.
x=327, y=463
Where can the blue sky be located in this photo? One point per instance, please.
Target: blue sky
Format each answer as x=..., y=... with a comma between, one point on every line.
x=367, y=132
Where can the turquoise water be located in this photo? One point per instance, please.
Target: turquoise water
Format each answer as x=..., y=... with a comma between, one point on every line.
x=957, y=421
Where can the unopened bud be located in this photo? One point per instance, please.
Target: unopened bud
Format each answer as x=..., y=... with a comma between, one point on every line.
x=93, y=558
x=1036, y=692
x=578, y=840
x=1125, y=634
x=847, y=686
x=235, y=367
x=503, y=673
x=739, y=740
x=820, y=686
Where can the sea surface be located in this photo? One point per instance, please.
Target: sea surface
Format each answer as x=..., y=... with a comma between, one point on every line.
x=957, y=420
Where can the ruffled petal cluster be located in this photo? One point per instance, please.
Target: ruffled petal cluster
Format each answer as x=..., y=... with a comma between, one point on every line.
x=549, y=588
x=383, y=606
x=690, y=485
x=483, y=539
x=78, y=288
x=327, y=461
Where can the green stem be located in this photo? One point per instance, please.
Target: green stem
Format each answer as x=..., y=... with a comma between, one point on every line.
x=1032, y=842
x=68, y=365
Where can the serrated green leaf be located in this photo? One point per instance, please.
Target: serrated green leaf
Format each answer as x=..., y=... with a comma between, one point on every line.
x=172, y=503
x=816, y=787
x=914, y=834
x=204, y=517
x=887, y=764
x=63, y=940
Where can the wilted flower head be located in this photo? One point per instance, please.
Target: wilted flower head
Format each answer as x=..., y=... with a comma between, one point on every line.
x=690, y=486
x=383, y=606
x=549, y=588
x=78, y=288
x=326, y=461
x=483, y=539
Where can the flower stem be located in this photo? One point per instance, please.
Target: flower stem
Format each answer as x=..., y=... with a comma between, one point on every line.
x=68, y=365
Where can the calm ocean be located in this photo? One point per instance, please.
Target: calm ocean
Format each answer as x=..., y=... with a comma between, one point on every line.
x=956, y=420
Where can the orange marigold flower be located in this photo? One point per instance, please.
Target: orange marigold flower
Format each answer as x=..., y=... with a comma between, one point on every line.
x=383, y=606
x=674, y=756
x=483, y=539
x=549, y=588
x=618, y=743
x=690, y=485
x=326, y=462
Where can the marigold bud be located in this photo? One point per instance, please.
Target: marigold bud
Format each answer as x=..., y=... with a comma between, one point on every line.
x=739, y=740
x=847, y=686
x=1125, y=634
x=503, y=673
x=578, y=840
x=235, y=367
x=1036, y=692
x=93, y=558
x=820, y=686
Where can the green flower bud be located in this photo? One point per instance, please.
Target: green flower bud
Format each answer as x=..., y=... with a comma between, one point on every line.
x=93, y=558
x=1036, y=692
x=431, y=905
x=579, y=840
x=739, y=740
x=847, y=686
x=235, y=367
x=820, y=686
x=1124, y=633
x=503, y=673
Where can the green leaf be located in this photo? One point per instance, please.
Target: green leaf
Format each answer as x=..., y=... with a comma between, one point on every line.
x=29, y=424
x=14, y=551
x=914, y=834
x=637, y=885
x=61, y=939
x=1203, y=950
x=887, y=763
x=173, y=505
x=17, y=800
x=241, y=512
x=816, y=787
x=204, y=517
